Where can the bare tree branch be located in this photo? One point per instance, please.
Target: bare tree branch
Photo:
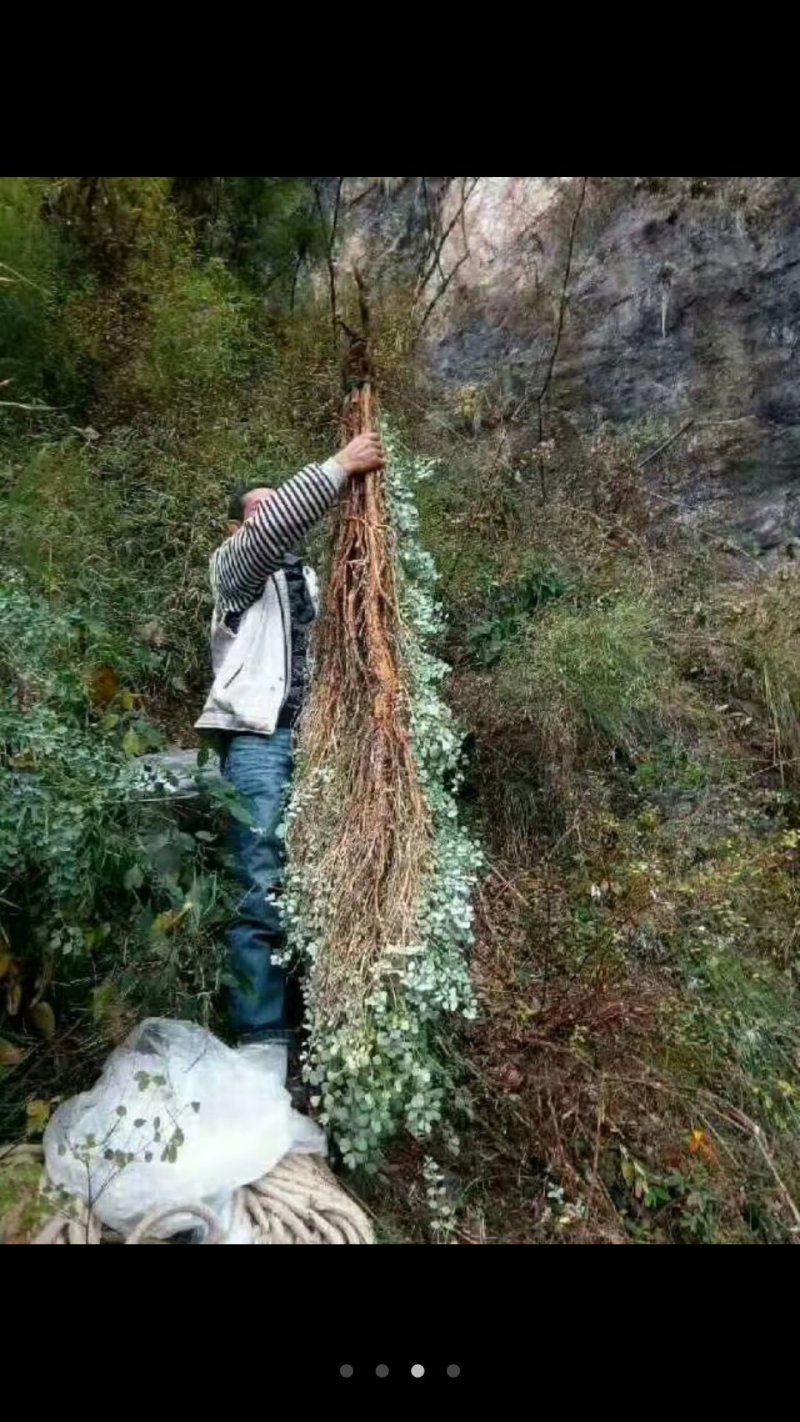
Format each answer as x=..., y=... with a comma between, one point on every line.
x=431, y=224
x=562, y=304
x=439, y=294
x=539, y=397
x=429, y=266
x=468, y=187
x=330, y=239
x=365, y=192
x=363, y=301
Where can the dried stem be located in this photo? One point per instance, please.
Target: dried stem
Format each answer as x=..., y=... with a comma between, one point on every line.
x=367, y=833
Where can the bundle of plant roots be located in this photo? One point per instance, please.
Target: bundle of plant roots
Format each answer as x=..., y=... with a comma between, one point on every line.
x=379, y=876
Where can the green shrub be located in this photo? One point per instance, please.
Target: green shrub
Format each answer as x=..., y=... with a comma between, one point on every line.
x=108, y=906
x=123, y=529
x=512, y=608
x=194, y=338
x=595, y=676
x=759, y=655
x=31, y=256
x=59, y=780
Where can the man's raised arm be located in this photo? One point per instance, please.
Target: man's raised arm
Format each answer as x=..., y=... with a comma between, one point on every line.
x=242, y=564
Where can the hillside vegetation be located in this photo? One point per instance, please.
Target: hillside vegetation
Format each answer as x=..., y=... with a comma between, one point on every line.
x=629, y=695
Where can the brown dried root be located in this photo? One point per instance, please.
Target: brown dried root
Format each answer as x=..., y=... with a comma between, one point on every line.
x=367, y=832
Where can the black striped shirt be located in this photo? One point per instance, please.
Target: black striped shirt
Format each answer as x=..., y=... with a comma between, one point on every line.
x=242, y=564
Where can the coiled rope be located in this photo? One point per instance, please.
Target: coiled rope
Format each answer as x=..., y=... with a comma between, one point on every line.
x=298, y=1202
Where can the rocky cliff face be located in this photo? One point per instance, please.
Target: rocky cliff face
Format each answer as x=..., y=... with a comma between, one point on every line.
x=682, y=303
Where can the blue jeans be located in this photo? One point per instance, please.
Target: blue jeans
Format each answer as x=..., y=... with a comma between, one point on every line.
x=260, y=768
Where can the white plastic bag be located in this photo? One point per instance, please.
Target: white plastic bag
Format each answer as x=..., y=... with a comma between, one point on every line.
x=176, y=1118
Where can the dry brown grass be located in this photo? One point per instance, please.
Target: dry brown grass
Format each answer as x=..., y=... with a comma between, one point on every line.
x=584, y=1125
x=367, y=834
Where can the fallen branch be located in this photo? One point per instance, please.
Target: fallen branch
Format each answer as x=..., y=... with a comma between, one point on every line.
x=17, y=405
x=751, y=1128
x=666, y=444
x=19, y=276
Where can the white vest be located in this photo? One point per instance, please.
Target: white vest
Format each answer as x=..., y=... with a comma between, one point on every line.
x=252, y=667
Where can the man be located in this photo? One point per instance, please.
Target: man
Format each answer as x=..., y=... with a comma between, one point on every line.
x=264, y=606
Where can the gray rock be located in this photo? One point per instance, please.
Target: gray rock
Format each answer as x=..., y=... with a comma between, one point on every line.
x=684, y=302
x=173, y=775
